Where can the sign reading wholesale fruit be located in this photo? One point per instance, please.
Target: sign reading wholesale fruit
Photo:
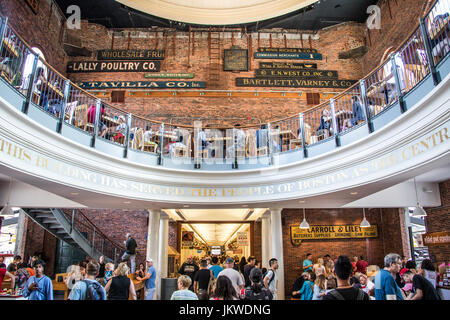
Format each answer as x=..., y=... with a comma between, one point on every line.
x=332, y=232
x=287, y=65
x=312, y=73
x=169, y=75
x=288, y=55
x=113, y=66
x=293, y=83
x=290, y=50
x=142, y=84
x=130, y=55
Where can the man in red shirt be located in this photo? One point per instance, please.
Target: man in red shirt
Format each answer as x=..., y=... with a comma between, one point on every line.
x=361, y=265
x=91, y=119
x=3, y=272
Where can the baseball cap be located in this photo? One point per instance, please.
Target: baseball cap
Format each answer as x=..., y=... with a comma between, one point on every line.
x=402, y=272
x=229, y=260
x=150, y=260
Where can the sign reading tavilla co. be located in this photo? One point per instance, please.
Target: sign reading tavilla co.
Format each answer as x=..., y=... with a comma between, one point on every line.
x=142, y=84
x=130, y=55
x=332, y=232
x=113, y=66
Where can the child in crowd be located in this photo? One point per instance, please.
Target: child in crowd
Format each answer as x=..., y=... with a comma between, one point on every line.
x=109, y=271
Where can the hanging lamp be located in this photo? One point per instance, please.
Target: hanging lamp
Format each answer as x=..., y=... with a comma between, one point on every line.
x=304, y=224
x=419, y=211
x=364, y=222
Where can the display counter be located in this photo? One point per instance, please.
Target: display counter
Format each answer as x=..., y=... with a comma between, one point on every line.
x=444, y=292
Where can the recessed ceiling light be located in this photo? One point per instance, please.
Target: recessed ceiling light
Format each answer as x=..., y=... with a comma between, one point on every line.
x=244, y=205
x=301, y=201
x=127, y=202
x=353, y=193
x=74, y=193
x=186, y=206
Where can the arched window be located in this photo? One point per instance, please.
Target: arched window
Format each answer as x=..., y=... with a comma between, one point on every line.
x=28, y=67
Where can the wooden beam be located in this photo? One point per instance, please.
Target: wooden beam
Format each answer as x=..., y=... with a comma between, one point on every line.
x=250, y=52
x=252, y=238
x=189, y=48
x=270, y=40
x=112, y=41
x=258, y=39
x=301, y=39
x=232, y=38
x=310, y=41
x=129, y=40
x=178, y=237
x=209, y=42
x=285, y=41
x=156, y=40
x=193, y=43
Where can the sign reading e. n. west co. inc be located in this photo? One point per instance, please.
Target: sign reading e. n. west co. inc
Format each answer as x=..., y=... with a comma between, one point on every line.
x=332, y=232
x=142, y=84
x=285, y=73
x=436, y=238
x=130, y=54
x=113, y=66
x=293, y=83
x=288, y=55
x=287, y=65
x=289, y=50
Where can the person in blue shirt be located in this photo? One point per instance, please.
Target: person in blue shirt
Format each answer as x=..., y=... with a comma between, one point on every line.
x=150, y=277
x=78, y=291
x=385, y=286
x=215, y=268
x=307, y=289
x=357, y=111
x=38, y=287
x=307, y=263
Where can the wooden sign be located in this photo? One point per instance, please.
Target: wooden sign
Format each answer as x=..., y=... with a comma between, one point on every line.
x=283, y=73
x=34, y=5
x=293, y=83
x=331, y=232
x=169, y=75
x=142, y=85
x=287, y=65
x=291, y=50
x=187, y=239
x=436, y=238
x=130, y=55
x=113, y=66
x=242, y=239
x=235, y=60
x=287, y=55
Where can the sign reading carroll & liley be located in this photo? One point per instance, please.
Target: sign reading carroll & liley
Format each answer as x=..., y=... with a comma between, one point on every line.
x=142, y=84
x=130, y=54
x=332, y=232
x=113, y=66
x=293, y=83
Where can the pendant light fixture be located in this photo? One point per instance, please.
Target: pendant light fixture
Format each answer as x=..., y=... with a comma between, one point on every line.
x=419, y=211
x=364, y=222
x=7, y=210
x=304, y=224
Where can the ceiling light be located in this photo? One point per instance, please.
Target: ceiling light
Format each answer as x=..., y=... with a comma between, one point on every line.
x=186, y=206
x=74, y=193
x=364, y=222
x=301, y=201
x=127, y=202
x=244, y=205
x=419, y=211
x=353, y=193
x=304, y=224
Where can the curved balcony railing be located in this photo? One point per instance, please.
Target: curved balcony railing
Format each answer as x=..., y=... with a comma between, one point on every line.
x=364, y=107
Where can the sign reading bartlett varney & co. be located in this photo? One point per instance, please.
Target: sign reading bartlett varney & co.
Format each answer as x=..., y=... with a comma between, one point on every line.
x=287, y=65
x=113, y=66
x=130, y=54
x=235, y=59
x=293, y=83
x=331, y=232
x=288, y=55
x=142, y=84
x=283, y=73
x=291, y=50
x=169, y=75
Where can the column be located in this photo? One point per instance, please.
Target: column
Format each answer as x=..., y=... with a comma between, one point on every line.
x=265, y=239
x=277, y=248
x=153, y=236
x=163, y=251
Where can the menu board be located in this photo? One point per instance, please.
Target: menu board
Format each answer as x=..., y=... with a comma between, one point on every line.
x=235, y=60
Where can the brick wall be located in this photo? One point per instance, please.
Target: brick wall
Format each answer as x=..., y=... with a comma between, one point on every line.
x=41, y=30
x=373, y=249
x=437, y=220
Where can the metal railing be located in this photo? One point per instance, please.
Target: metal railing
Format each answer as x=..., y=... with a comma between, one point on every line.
x=415, y=59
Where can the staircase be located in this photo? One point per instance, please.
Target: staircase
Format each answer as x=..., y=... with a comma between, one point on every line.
x=214, y=61
x=78, y=231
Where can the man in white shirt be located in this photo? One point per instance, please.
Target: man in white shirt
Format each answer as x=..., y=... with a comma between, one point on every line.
x=271, y=279
x=233, y=275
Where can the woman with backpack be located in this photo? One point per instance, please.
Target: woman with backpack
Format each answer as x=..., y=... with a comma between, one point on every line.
x=89, y=288
x=307, y=289
x=256, y=291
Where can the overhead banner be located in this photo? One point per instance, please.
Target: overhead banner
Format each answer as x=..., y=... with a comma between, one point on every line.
x=332, y=232
x=293, y=83
x=242, y=239
x=113, y=66
x=436, y=238
x=283, y=73
x=142, y=84
x=187, y=239
x=288, y=55
x=287, y=65
x=289, y=50
x=130, y=54
x=235, y=60
x=169, y=75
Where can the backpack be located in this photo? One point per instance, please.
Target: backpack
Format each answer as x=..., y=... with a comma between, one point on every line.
x=273, y=277
x=93, y=290
x=339, y=296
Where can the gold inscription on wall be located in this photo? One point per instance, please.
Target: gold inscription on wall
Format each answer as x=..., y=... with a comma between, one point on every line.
x=332, y=232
